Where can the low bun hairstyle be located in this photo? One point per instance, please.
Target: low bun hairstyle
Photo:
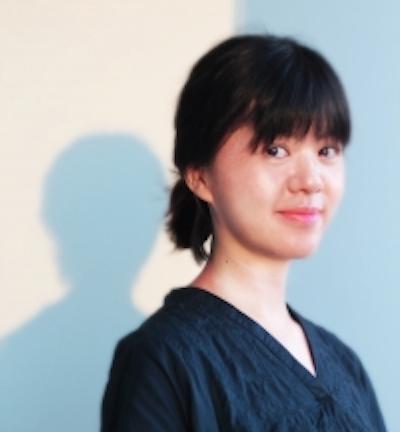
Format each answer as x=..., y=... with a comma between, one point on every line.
x=189, y=222
x=273, y=84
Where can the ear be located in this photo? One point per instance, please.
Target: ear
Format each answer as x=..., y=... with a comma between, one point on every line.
x=198, y=182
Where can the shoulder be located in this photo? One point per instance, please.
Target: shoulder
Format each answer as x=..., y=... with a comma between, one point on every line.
x=334, y=341
x=338, y=348
x=152, y=354
x=168, y=331
x=147, y=380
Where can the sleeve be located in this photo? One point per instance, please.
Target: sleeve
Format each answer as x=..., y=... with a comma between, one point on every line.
x=372, y=401
x=143, y=391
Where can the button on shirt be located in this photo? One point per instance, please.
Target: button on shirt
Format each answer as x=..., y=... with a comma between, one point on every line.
x=199, y=364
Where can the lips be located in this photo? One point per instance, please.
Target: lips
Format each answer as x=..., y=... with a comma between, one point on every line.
x=302, y=215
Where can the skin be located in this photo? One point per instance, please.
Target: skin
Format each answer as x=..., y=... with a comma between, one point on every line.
x=254, y=242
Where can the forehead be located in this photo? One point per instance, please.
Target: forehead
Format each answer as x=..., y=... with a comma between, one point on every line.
x=239, y=140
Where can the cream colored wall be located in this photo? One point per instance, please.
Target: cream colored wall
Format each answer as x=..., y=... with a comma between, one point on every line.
x=71, y=68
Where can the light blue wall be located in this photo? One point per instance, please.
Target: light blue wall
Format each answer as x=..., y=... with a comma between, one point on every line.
x=351, y=286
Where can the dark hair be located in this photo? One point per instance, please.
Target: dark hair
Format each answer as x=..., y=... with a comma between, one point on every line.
x=274, y=84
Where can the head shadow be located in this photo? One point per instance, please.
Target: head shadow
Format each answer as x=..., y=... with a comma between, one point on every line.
x=103, y=204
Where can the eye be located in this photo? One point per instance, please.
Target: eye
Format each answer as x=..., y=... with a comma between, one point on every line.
x=276, y=151
x=331, y=151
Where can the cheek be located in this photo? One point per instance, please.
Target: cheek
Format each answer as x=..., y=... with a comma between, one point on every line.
x=336, y=188
x=234, y=178
x=260, y=188
x=241, y=194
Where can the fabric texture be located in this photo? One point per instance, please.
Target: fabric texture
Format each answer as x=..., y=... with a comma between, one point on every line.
x=199, y=364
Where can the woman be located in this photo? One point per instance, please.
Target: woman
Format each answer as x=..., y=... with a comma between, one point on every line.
x=261, y=126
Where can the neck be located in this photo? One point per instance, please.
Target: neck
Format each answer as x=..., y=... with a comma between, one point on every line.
x=256, y=286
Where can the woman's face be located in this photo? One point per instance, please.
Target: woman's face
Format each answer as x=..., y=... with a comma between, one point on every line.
x=277, y=202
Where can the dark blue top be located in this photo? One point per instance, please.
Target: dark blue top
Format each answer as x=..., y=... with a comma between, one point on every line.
x=199, y=364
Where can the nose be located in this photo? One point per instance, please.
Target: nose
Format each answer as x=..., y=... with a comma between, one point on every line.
x=306, y=175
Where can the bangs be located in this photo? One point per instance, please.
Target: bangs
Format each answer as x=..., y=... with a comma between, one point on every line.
x=298, y=97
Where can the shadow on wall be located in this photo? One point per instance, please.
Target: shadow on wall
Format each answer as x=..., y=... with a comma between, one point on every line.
x=103, y=203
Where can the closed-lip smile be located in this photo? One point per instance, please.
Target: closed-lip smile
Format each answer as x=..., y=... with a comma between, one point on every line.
x=302, y=210
x=302, y=215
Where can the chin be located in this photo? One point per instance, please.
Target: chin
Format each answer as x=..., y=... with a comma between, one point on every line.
x=302, y=255
x=292, y=248
x=300, y=251
x=304, y=252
